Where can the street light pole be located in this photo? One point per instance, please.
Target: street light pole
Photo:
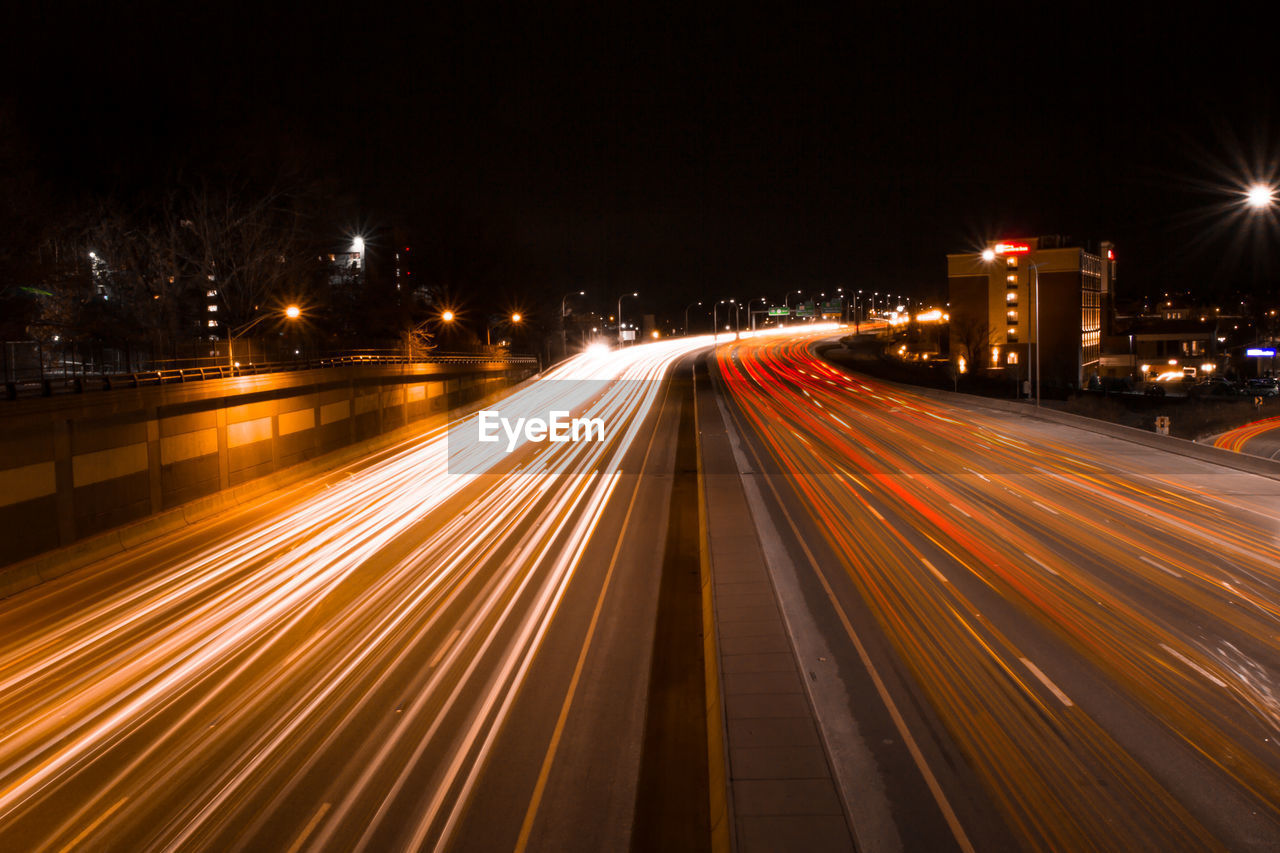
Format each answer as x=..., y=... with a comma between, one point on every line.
x=750, y=313
x=1036, y=298
x=292, y=313
x=564, y=346
x=715, y=323
x=619, y=315
x=686, y=316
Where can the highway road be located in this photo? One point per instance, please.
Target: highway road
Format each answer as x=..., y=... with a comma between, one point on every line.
x=1019, y=634
x=1260, y=438
x=441, y=647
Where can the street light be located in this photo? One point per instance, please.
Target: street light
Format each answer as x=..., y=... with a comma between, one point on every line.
x=1259, y=196
x=686, y=315
x=293, y=312
x=750, y=313
x=715, y=323
x=620, y=298
x=488, y=328
x=786, y=300
x=564, y=346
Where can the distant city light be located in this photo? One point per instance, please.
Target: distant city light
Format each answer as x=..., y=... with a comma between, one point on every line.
x=293, y=312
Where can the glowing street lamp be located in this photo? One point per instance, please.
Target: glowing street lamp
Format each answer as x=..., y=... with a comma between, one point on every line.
x=447, y=315
x=686, y=315
x=1260, y=196
x=292, y=312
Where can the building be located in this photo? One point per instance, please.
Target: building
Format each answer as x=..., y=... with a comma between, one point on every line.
x=992, y=297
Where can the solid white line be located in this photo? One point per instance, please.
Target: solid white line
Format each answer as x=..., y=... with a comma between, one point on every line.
x=979, y=476
x=1195, y=666
x=1044, y=566
x=1045, y=508
x=1150, y=562
x=962, y=512
x=1044, y=679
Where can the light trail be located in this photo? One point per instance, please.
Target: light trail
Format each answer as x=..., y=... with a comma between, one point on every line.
x=203, y=705
x=1169, y=593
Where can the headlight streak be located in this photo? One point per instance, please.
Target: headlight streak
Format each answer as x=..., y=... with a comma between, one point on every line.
x=1060, y=582
x=196, y=629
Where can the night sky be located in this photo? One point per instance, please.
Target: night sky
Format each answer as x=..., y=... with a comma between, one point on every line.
x=692, y=154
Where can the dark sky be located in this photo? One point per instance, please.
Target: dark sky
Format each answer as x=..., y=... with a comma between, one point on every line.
x=704, y=153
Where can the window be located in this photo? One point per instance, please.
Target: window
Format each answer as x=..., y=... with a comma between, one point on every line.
x=213, y=323
x=1012, y=261
x=1012, y=359
x=1011, y=297
x=1011, y=316
x=1012, y=278
x=213, y=308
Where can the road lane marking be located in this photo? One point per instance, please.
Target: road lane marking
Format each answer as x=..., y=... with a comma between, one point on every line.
x=962, y=512
x=448, y=643
x=873, y=512
x=979, y=476
x=544, y=772
x=1195, y=666
x=91, y=827
x=1044, y=679
x=1045, y=508
x=309, y=828
x=937, y=573
x=1042, y=565
x=1150, y=562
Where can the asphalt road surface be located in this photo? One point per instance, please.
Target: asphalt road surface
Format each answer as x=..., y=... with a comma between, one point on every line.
x=397, y=655
x=1019, y=634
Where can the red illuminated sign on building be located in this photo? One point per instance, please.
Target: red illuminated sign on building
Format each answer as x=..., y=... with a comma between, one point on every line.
x=1011, y=248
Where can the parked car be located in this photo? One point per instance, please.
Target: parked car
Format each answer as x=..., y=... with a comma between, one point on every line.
x=1265, y=387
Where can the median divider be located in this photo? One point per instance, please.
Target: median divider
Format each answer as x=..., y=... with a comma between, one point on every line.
x=717, y=755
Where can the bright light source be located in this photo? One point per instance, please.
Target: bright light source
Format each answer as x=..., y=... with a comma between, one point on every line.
x=357, y=244
x=989, y=255
x=598, y=350
x=1259, y=196
x=516, y=318
x=447, y=316
x=655, y=334
x=293, y=312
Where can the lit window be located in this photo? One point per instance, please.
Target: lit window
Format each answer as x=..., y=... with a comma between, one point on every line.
x=213, y=307
x=1012, y=358
x=1012, y=278
x=1011, y=297
x=1011, y=316
x=1012, y=260
x=213, y=323
x=211, y=293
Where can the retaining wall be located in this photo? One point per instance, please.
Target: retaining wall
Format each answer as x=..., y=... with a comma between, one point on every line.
x=74, y=467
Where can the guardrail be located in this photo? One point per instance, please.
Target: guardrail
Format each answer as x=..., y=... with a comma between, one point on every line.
x=77, y=383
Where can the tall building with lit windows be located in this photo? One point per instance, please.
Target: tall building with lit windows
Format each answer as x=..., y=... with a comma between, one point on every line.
x=993, y=307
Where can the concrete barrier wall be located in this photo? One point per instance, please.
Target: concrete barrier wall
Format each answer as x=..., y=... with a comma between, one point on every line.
x=74, y=467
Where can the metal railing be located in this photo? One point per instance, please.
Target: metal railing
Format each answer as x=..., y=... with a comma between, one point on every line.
x=41, y=376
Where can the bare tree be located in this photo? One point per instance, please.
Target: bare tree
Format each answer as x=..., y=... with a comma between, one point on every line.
x=253, y=248
x=971, y=336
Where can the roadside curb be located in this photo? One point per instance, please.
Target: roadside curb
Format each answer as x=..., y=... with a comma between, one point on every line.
x=1184, y=447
